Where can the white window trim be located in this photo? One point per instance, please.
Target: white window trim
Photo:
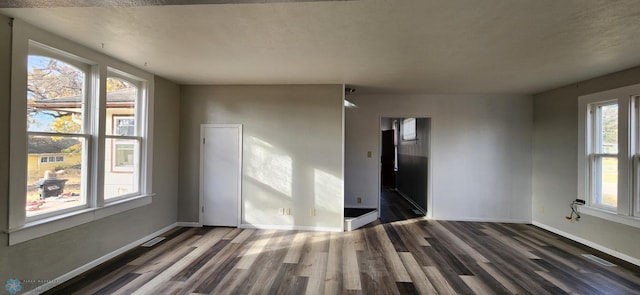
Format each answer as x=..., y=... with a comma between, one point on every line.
x=627, y=143
x=19, y=228
x=46, y=226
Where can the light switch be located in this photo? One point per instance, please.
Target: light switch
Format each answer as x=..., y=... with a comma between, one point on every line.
x=369, y=153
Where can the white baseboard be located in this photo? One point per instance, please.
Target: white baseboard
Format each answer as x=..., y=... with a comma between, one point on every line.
x=482, y=219
x=65, y=277
x=585, y=242
x=291, y=227
x=189, y=224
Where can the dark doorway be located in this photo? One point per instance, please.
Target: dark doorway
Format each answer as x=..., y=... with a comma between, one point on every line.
x=393, y=207
x=405, y=145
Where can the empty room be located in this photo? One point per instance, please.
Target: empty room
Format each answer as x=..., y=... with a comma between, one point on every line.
x=319, y=147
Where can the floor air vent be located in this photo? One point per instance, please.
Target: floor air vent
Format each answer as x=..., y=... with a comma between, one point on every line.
x=598, y=260
x=153, y=241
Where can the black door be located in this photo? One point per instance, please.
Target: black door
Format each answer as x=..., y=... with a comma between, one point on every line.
x=388, y=174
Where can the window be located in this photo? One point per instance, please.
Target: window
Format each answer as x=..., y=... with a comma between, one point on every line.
x=55, y=100
x=409, y=129
x=80, y=131
x=49, y=159
x=124, y=125
x=609, y=154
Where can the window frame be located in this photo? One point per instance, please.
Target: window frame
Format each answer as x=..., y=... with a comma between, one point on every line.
x=628, y=168
x=21, y=228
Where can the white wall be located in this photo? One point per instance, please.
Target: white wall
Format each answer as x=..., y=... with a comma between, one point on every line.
x=292, y=151
x=481, y=153
x=555, y=166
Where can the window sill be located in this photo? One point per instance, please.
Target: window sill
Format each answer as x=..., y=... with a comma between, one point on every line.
x=46, y=226
x=610, y=216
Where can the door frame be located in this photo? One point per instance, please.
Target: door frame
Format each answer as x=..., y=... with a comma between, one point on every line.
x=201, y=176
x=429, y=168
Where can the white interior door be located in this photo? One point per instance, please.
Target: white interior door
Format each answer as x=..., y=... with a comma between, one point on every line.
x=221, y=160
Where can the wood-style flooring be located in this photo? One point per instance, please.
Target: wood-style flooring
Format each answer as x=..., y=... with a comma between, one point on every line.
x=394, y=207
x=414, y=256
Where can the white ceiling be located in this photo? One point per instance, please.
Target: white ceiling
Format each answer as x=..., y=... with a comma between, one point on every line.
x=441, y=46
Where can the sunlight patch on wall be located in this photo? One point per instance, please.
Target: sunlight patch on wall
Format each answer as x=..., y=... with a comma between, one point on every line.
x=268, y=166
x=327, y=187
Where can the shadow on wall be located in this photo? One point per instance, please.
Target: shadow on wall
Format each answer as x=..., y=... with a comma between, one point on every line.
x=269, y=174
x=267, y=165
x=269, y=186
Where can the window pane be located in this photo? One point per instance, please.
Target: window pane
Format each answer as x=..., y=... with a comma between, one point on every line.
x=409, y=129
x=122, y=167
x=121, y=107
x=54, y=185
x=606, y=181
x=55, y=96
x=123, y=154
x=608, y=129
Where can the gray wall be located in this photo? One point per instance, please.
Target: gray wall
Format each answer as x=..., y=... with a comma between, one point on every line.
x=413, y=163
x=555, y=164
x=53, y=255
x=292, y=150
x=480, y=152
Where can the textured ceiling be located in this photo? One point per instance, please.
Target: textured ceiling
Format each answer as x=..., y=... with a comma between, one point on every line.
x=448, y=46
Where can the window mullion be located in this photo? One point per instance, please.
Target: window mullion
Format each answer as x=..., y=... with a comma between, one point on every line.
x=624, y=156
x=98, y=129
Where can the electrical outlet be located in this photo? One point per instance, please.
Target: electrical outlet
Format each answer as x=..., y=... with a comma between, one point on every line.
x=312, y=212
x=288, y=211
x=359, y=200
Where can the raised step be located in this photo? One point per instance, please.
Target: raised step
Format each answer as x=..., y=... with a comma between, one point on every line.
x=351, y=223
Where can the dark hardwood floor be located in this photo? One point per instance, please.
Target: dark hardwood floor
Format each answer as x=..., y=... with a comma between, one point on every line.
x=414, y=256
x=393, y=207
